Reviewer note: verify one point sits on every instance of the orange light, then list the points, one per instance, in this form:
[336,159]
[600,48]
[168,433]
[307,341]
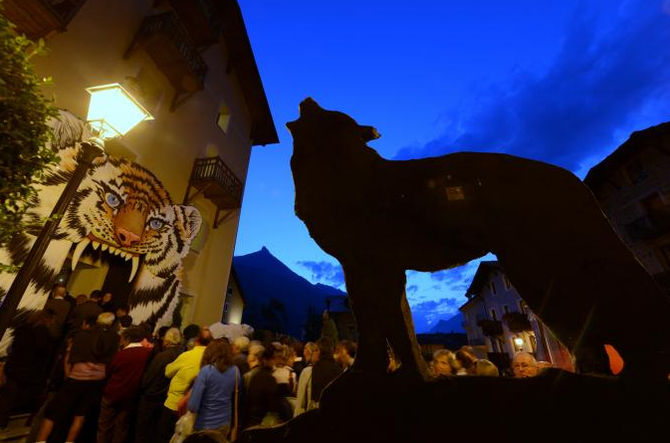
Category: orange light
[616,361]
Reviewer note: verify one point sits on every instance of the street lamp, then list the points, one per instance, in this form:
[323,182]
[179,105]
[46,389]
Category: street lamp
[112,112]
[518,341]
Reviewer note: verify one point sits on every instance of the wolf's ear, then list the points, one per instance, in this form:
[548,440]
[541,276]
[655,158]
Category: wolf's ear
[369,133]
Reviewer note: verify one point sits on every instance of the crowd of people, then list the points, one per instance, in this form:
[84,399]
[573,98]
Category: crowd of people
[86,373]
[445,363]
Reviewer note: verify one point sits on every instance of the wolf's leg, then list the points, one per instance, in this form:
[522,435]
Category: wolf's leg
[403,339]
[374,293]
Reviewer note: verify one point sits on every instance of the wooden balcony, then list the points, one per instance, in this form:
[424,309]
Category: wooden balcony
[651,226]
[38,18]
[491,328]
[517,322]
[212,178]
[166,41]
[202,19]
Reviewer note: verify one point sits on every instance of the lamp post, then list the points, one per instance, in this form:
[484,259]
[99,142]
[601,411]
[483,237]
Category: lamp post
[112,112]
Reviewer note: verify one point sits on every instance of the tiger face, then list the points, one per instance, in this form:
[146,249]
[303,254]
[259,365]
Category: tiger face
[120,208]
[123,209]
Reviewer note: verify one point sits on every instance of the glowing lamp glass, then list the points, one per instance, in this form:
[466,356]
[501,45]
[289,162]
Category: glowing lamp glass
[112,111]
[518,341]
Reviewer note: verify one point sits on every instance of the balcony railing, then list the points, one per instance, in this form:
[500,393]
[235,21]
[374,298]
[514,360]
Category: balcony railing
[37,18]
[214,179]
[201,18]
[490,328]
[517,322]
[649,227]
[166,41]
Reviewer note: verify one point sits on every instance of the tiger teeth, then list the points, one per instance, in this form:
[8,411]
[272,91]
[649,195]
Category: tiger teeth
[78,250]
[133,271]
[104,246]
[95,245]
[127,256]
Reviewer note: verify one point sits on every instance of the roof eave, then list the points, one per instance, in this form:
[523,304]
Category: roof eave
[241,58]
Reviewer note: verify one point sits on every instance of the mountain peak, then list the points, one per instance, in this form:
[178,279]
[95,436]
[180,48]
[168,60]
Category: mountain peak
[451,325]
[278,298]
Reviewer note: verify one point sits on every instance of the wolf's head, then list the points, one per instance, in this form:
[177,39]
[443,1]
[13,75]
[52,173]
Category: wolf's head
[321,132]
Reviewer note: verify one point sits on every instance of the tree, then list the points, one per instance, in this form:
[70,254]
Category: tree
[24,134]
[312,326]
[273,314]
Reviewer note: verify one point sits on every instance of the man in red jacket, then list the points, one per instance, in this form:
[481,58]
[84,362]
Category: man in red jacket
[125,375]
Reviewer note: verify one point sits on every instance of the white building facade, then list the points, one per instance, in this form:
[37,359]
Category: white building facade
[498,323]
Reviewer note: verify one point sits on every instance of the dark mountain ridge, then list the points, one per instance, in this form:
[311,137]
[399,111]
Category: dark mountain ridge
[277,298]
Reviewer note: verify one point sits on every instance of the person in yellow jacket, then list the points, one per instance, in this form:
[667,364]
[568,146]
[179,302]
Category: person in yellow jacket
[182,372]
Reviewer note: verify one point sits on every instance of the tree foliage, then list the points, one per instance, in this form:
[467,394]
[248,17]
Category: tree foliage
[24,151]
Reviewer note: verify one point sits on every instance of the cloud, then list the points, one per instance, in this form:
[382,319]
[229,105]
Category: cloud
[602,80]
[412,288]
[325,272]
[456,278]
[440,275]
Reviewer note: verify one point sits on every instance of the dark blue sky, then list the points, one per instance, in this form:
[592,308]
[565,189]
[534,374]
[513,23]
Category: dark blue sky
[561,81]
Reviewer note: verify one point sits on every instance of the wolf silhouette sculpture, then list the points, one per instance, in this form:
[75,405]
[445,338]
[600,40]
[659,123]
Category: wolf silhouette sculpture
[380,218]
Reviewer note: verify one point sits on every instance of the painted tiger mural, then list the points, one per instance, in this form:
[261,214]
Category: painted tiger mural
[120,208]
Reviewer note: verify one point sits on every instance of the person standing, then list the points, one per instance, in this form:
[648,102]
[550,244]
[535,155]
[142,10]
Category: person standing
[254,360]
[154,387]
[61,309]
[87,309]
[304,393]
[325,370]
[263,403]
[240,348]
[107,302]
[440,365]
[212,397]
[524,365]
[119,396]
[182,371]
[92,348]
[27,365]
[345,353]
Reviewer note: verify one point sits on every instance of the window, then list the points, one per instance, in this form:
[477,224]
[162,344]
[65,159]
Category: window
[223,118]
[494,315]
[506,309]
[492,285]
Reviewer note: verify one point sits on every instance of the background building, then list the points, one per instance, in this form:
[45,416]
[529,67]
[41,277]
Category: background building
[498,323]
[632,186]
[190,63]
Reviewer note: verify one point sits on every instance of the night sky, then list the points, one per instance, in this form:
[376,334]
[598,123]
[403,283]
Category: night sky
[563,81]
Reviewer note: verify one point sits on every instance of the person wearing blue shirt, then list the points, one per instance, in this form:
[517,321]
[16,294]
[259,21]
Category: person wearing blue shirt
[212,397]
